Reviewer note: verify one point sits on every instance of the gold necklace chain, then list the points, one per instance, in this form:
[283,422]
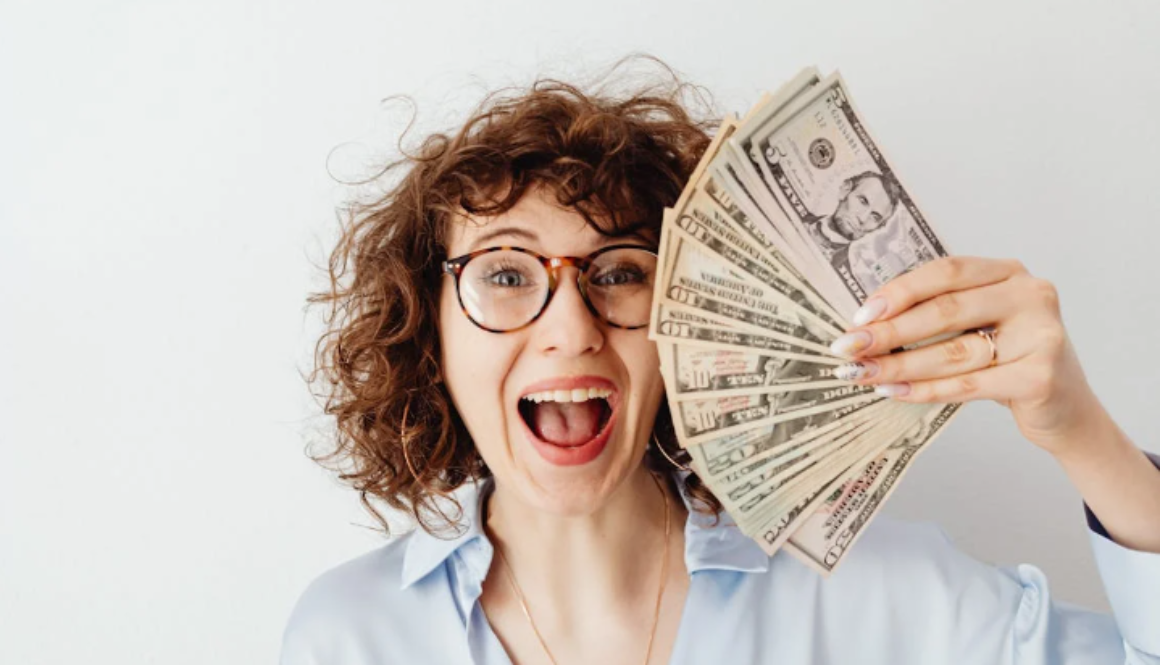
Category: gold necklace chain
[660,591]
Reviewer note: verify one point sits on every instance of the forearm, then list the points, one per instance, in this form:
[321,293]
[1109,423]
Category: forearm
[1117,481]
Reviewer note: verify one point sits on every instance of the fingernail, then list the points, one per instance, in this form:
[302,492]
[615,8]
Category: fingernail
[851,343]
[893,389]
[872,309]
[853,371]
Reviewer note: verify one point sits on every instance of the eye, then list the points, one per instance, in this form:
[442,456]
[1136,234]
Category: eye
[863,200]
[506,276]
[619,275]
[876,216]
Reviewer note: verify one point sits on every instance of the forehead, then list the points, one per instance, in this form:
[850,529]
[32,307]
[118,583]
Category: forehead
[873,189]
[537,222]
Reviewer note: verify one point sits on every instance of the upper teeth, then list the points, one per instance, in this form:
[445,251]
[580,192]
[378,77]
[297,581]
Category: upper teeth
[574,395]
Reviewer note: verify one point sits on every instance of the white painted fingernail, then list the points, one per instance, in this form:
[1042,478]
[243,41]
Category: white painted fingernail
[851,343]
[853,371]
[871,310]
[893,389]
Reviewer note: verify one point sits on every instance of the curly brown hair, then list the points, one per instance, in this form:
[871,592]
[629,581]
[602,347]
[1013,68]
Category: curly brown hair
[618,159]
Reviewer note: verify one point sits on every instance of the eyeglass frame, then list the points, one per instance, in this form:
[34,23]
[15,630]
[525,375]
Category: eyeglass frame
[552,264]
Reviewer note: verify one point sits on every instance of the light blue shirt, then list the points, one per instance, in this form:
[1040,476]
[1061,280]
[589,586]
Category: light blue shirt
[903,595]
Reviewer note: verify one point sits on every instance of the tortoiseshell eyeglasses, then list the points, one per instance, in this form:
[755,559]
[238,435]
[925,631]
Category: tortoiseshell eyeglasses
[502,289]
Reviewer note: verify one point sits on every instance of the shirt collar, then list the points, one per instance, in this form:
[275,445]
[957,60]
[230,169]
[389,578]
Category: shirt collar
[710,544]
[426,551]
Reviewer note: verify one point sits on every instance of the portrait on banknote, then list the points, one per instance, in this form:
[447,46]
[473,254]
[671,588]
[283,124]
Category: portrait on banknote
[866,201]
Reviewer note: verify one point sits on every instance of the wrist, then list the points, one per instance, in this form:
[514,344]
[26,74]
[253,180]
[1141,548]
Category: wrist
[1078,427]
[1119,484]
[1095,442]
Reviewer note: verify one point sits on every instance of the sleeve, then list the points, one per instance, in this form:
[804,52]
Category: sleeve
[1132,582]
[1048,632]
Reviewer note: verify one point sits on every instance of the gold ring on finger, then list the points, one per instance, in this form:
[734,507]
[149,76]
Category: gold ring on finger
[989,334]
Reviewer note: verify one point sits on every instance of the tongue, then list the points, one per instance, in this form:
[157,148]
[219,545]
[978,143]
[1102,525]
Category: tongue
[567,423]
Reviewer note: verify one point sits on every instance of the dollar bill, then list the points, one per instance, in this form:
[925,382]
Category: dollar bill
[841,197]
[698,420]
[690,230]
[741,162]
[705,222]
[747,223]
[778,257]
[681,325]
[775,519]
[728,183]
[693,278]
[811,438]
[830,530]
[764,499]
[702,372]
[729,459]
[729,231]
[748,490]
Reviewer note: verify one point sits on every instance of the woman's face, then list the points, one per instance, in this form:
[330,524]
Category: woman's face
[563,453]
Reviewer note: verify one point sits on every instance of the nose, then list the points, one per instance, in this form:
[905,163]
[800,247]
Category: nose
[865,216]
[567,327]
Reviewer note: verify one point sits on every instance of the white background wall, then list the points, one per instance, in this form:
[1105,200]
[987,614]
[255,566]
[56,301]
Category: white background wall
[164,193]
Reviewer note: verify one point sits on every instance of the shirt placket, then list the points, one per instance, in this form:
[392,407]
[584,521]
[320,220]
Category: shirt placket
[472,562]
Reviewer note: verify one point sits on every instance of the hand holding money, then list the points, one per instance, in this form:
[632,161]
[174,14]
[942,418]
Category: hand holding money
[794,224]
[1022,359]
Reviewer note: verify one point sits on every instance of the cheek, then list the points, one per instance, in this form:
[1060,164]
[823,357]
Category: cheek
[457,335]
[644,369]
[475,364]
[450,327]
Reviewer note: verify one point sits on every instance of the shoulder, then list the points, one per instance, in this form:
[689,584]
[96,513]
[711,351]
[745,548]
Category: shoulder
[899,575]
[913,559]
[363,581]
[343,611]
[903,590]
[920,551]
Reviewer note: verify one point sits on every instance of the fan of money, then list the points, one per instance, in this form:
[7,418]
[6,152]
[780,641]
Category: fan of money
[793,217]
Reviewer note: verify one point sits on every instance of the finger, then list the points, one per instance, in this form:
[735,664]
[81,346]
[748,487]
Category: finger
[961,354]
[948,312]
[951,273]
[1002,383]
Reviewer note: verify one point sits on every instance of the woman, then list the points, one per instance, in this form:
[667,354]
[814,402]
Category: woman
[528,435]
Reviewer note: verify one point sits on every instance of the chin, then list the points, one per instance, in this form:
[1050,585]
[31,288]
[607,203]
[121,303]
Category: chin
[572,490]
[845,230]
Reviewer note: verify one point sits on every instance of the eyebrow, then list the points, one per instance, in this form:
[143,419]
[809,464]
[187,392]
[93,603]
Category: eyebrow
[512,231]
[529,235]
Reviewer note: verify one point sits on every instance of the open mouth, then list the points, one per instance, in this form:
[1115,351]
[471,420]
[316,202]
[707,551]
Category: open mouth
[567,418]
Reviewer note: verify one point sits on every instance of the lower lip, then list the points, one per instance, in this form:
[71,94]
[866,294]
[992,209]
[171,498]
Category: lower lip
[571,455]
